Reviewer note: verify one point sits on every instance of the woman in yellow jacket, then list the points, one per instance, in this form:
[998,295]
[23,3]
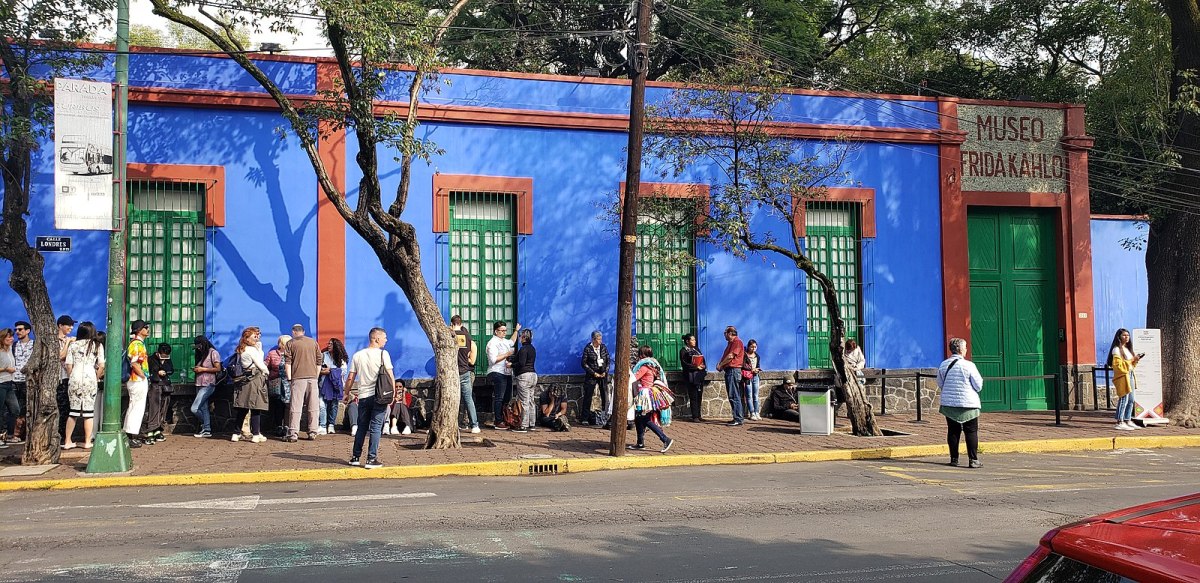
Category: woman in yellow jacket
[1122,359]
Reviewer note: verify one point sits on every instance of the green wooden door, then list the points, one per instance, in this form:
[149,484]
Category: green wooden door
[483,260]
[665,290]
[1014,319]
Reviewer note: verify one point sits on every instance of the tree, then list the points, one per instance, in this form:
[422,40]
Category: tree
[39,45]
[724,119]
[368,38]
[1173,250]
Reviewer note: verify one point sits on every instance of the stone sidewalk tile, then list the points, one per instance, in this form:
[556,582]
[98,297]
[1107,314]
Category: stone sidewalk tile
[184,454]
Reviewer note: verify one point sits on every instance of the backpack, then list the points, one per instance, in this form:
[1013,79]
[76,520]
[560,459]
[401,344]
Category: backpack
[514,414]
[231,371]
[126,367]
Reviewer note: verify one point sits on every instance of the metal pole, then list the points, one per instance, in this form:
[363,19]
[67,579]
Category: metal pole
[919,397]
[883,391]
[639,60]
[111,451]
[1095,393]
[1107,388]
[1058,386]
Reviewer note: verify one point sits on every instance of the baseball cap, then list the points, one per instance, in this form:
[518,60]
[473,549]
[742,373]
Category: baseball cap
[65,321]
[137,326]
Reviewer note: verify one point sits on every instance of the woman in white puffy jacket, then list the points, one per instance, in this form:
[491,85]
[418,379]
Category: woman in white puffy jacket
[960,384]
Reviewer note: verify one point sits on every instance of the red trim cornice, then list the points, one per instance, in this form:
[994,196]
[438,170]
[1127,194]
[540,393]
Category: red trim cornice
[213,177]
[697,191]
[520,188]
[865,197]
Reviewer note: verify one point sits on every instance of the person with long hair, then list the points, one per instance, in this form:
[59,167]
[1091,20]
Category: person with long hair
[278,388]
[208,364]
[85,364]
[250,392]
[1122,359]
[332,384]
[10,409]
[646,373]
[751,367]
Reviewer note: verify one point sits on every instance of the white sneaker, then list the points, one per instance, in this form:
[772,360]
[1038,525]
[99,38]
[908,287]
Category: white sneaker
[258,439]
[475,429]
[322,431]
[407,430]
[1131,425]
[1122,427]
[387,430]
[235,437]
[353,430]
[330,430]
[755,417]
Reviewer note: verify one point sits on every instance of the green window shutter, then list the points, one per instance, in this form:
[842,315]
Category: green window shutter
[665,290]
[832,241]
[166,276]
[483,264]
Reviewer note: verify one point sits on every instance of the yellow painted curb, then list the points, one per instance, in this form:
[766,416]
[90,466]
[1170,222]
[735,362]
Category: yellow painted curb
[521,467]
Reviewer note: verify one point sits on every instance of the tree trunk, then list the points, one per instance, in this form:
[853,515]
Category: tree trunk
[850,391]
[398,262]
[1173,251]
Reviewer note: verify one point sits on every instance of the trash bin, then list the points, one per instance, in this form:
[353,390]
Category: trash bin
[816,414]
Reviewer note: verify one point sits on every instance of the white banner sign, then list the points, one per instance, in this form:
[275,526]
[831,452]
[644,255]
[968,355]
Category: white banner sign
[83,156]
[1147,392]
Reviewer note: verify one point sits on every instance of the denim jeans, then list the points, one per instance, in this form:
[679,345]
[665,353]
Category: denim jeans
[328,413]
[9,409]
[467,396]
[1125,408]
[371,416]
[751,387]
[204,394]
[644,420]
[502,389]
[733,388]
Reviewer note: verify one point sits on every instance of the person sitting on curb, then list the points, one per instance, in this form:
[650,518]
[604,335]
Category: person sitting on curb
[783,402]
[553,408]
[400,411]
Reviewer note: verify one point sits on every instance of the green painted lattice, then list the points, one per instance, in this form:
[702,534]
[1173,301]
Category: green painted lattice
[664,302]
[832,242]
[166,275]
[483,261]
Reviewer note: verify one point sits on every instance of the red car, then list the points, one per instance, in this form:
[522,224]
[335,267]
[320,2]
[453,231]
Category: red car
[1159,541]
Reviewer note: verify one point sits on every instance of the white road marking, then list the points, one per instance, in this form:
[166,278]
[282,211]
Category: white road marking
[249,502]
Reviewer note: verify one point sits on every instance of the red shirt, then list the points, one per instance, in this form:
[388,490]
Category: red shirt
[735,351]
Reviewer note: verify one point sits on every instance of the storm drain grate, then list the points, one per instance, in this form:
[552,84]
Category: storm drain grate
[543,469]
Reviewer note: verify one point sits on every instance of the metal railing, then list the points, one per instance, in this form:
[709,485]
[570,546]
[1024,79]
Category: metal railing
[1107,370]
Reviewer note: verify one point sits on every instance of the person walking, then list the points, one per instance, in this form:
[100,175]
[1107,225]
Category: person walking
[694,371]
[85,365]
[731,364]
[646,373]
[751,367]
[139,381]
[22,350]
[498,350]
[1122,360]
[365,368]
[595,362]
[250,392]
[208,364]
[301,368]
[466,371]
[333,383]
[960,384]
[9,408]
[526,375]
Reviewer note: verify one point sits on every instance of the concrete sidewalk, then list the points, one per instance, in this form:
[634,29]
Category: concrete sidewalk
[184,459]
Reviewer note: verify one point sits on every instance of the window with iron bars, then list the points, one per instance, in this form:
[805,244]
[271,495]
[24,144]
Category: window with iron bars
[483,264]
[166,277]
[664,281]
[832,242]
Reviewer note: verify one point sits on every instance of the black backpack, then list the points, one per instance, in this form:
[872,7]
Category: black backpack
[231,371]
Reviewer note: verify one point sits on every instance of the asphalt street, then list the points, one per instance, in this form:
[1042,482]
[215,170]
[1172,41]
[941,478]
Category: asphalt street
[910,520]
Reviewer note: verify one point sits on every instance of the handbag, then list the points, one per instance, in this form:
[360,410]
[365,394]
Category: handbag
[747,374]
[385,384]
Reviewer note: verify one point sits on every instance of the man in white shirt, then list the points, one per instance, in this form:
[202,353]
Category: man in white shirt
[498,350]
[364,369]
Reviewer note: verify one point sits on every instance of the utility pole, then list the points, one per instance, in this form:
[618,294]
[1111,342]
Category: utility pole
[639,63]
[111,451]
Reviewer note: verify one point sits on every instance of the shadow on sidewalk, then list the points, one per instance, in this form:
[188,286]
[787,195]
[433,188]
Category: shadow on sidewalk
[309,458]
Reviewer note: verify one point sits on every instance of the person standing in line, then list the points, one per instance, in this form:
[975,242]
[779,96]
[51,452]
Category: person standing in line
[960,384]
[98,403]
[466,371]
[751,367]
[365,368]
[333,384]
[278,388]
[159,395]
[731,364]
[855,361]
[694,371]
[65,325]
[9,409]
[22,350]
[595,363]
[526,375]
[645,372]
[250,393]
[1122,360]
[139,381]
[208,364]
[500,373]
[301,369]
[85,364]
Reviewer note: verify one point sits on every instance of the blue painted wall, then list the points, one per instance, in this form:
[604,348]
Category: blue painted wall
[1118,278]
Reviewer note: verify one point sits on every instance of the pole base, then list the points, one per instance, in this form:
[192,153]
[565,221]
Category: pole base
[110,453]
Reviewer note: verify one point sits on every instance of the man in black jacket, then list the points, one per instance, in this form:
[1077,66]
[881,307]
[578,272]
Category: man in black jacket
[595,363]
